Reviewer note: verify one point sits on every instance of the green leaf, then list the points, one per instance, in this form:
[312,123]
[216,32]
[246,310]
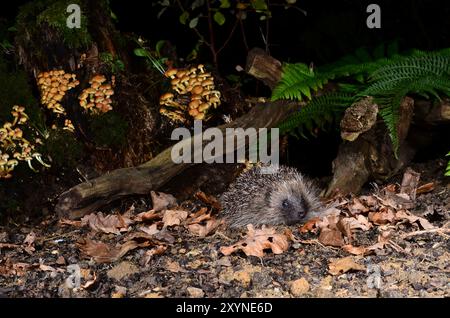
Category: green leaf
[140,52]
[193,23]
[259,5]
[219,18]
[183,17]
[197,4]
[224,4]
[159,45]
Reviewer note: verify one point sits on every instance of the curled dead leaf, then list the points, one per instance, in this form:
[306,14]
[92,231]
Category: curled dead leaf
[174,217]
[259,240]
[162,201]
[344,265]
[104,253]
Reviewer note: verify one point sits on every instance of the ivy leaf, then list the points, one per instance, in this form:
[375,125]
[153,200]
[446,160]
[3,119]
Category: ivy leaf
[159,45]
[219,18]
[183,17]
[224,4]
[193,23]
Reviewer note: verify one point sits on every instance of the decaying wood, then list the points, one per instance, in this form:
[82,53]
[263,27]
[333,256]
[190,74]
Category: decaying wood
[263,67]
[371,156]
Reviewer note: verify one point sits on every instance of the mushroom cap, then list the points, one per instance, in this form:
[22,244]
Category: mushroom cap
[208,82]
[109,92]
[171,72]
[166,96]
[200,116]
[193,112]
[214,100]
[98,78]
[197,90]
[175,81]
[203,107]
[196,97]
[181,74]
[194,104]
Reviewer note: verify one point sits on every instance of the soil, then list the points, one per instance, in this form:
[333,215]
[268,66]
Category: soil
[37,264]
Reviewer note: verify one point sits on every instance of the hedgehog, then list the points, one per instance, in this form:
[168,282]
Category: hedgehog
[283,197]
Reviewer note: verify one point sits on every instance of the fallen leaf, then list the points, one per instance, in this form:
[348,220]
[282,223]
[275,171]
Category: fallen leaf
[357,207]
[150,230]
[147,216]
[369,200]
[344,265]
[385,216]
[158,250]
[70,222]
[204,230]
[208,199]
[29,242]
[174,267]
[410,182]
[174,217]
[405,215]
[46,268]
[309,225]
[425,188]
[162,201]
[104,253]
[114,224]
[257,241]
[331,237]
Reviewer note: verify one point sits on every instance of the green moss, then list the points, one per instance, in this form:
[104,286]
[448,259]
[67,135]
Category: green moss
[15,90]
[109,130]
[63,148]
[54,13]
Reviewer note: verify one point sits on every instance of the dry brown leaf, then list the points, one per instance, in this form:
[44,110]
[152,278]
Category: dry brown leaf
[257,241]
[204,230]
[114,224]
[356,207]
[383,239]
[369,200]
[162,201]
[199,216]
[46,268]
[70,222]
[158,250]
[174,217]
[405,215]
[344,265]
[29,242]
[410,182]
[309,225]
[425,188]
[147,216]
[150,230]
[385,216]
[174,267]
[104,253]
[208,199]
[331,237]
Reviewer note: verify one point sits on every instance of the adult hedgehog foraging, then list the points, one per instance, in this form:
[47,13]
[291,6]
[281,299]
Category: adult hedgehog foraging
[283,197]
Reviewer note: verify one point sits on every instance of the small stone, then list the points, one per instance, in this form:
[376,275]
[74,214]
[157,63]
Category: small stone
[299,287]
[195,292]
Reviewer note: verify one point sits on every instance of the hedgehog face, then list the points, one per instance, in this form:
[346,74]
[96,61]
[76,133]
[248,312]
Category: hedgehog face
[290,200]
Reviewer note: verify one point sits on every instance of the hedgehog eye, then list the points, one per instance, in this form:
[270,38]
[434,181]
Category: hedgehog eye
[285,203]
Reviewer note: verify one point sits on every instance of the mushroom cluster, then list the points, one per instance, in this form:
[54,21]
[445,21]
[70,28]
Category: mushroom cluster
[12,140]
[97,98]
[53,86]
[196,82]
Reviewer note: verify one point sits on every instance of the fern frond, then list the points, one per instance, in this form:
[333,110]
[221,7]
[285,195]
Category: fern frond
[447,170]
[319,111]
[297,82]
